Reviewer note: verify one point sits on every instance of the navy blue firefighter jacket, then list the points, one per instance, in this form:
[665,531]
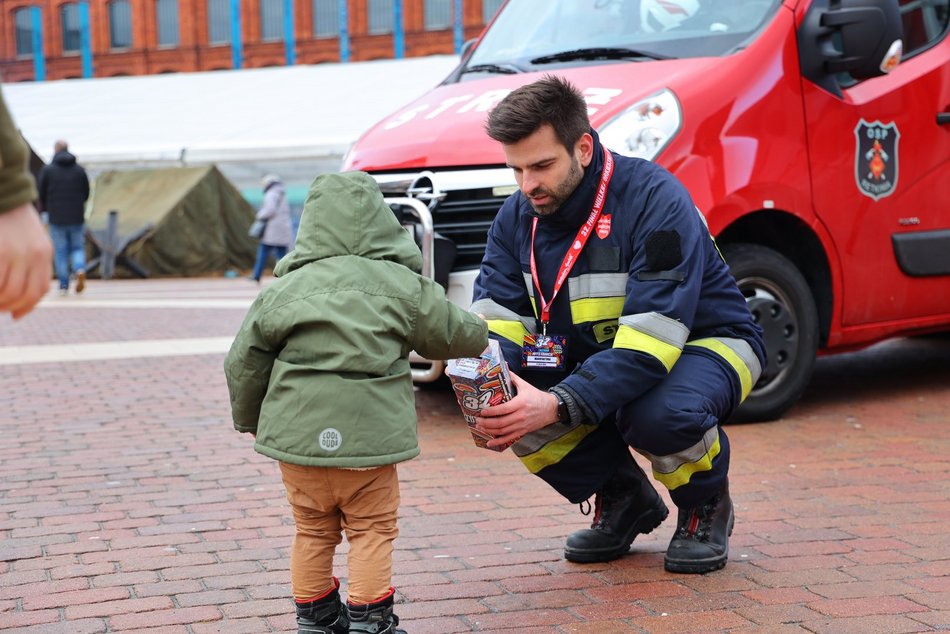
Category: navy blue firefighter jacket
[633,300]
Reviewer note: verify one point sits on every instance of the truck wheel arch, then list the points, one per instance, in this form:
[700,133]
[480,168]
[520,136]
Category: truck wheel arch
[781,268]
[793,238]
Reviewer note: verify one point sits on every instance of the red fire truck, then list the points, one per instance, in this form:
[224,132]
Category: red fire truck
[814,135]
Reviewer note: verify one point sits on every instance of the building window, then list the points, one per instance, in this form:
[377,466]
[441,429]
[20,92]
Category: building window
[120,24]
[272,20]
[489,9]
[326,18]
[23,20]
[380,16]
[69,19]
[166,16]
[438,15]
[219,21]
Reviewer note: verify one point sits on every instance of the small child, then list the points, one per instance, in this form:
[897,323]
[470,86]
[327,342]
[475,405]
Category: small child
[319,373]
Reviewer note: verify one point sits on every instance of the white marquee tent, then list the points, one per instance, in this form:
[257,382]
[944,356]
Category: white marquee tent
[244,117]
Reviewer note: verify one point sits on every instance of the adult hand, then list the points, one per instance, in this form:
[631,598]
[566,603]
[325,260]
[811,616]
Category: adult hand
[529,411]
[25,260]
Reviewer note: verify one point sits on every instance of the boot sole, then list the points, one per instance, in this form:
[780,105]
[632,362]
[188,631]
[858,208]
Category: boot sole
[696,567]
[644,525]
[700,566]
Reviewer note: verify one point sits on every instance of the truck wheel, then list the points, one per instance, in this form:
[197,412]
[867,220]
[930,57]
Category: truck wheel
[782,304]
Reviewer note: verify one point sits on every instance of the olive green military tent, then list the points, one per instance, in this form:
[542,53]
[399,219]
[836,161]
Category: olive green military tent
[172,222]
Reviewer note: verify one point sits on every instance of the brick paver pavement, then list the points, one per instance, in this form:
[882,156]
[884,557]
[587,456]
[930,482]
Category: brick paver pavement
[128,504]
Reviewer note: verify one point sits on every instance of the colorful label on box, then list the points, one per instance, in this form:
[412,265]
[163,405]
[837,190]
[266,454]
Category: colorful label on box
[480,382]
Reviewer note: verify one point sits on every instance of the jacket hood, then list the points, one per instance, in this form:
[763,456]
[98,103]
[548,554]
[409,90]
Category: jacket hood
[64,158]
[345,214]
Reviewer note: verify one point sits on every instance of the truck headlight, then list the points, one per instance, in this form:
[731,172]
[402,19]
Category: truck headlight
[645,128]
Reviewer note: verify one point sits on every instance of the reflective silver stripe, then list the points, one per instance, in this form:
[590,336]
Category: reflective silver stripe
[744,351]
[739,355]
[491,309]
[556,446]
[672,462]
[529,284]
[702,217]
[659,327]
[533,441]
[597,285]
[589,285]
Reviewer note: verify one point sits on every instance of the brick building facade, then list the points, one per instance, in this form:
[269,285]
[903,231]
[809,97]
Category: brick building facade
[58,39]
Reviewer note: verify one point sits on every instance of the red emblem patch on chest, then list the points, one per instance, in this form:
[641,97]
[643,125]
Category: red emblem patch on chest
[603,226]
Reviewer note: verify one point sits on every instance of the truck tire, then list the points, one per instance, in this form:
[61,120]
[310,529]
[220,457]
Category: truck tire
[782,304]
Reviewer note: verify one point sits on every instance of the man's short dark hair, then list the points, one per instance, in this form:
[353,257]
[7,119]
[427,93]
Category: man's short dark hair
[551,100]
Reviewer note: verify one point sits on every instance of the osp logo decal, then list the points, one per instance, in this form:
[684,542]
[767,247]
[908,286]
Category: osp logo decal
[875,158]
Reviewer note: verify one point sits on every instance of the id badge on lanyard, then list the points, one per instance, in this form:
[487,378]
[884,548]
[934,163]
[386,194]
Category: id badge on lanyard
[549,351]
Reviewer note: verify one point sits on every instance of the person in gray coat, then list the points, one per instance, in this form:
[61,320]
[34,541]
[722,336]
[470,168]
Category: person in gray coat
[278,234]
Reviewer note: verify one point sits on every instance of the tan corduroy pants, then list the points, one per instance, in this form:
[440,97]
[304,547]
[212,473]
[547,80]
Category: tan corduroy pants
[326,502]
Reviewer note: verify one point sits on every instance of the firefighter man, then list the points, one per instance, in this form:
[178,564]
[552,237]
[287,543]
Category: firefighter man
[608,257]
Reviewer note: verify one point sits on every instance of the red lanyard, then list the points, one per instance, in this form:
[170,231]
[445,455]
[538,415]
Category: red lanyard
[577,246]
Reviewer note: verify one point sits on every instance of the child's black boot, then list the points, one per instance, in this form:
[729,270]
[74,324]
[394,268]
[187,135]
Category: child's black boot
[374,618]
[323,615]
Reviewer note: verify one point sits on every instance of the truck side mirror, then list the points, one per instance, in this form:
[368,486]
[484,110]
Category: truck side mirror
[858,37]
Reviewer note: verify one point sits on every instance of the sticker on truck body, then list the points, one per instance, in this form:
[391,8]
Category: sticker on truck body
[875,160]
[460,104]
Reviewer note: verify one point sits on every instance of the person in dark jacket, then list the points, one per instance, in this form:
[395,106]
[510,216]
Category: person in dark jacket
[25,248]
[64,189]
[319,373]
[624,329]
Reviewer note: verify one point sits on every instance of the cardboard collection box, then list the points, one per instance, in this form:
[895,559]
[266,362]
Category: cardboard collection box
[480,382]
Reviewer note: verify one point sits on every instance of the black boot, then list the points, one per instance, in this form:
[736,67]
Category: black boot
[325,615]
[701,541]
[374,618]
[628,505]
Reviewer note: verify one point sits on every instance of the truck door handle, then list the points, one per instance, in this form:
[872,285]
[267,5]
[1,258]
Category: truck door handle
[943,118]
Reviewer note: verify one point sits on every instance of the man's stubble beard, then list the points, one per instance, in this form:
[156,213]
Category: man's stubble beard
[562,192]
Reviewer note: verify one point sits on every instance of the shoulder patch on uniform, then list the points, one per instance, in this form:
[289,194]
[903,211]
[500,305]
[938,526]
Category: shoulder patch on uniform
[663,254]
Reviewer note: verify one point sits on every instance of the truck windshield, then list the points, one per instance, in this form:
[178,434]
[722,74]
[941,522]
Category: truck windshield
[532,35]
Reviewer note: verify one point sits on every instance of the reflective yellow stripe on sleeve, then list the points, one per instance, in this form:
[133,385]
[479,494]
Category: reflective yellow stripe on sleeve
[738,354]
[511,330]
[503,322]
[553,450]
[631,339]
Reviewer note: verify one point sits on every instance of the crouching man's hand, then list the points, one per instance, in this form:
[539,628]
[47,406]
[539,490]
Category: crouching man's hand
[530,410]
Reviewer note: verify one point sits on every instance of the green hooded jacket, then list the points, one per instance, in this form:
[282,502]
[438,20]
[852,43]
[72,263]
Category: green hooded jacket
[16,184]
[319,369]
